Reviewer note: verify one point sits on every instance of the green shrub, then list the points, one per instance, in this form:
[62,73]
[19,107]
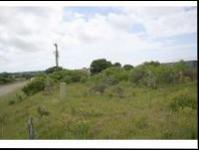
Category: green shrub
[98,65]
[182,101]
[20,97]
[115,91]
[99,88]
[43,111]
[128,67]
[37,85]
[69,76]
[111,76]
[79,129]
[77,76]
[58,75]
[137,75]
[11,102]
[153,75]
[6,78]
[53,69]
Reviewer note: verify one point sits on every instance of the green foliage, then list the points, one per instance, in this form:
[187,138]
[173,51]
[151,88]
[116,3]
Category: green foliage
[79,129]
[42,111]
[69,76]
[19,97]
[153,74]
[145,114]
[137,75]
[99,65]
[53,69]
[111,76]
[37,85]
[152,63]
[12,102]
[99,88]
[120,111]
[5,78]
[117,64]
[115,91]
[128,67]
[182,101]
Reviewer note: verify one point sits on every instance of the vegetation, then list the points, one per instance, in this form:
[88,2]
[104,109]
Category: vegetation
[99,65]
[128,67]
[53,69]
[38,84]
[5,78]
[149,101]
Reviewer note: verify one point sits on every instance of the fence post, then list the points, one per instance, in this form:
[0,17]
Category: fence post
[62,90]
[30,128]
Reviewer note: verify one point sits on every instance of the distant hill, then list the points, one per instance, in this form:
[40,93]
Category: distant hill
[190,63]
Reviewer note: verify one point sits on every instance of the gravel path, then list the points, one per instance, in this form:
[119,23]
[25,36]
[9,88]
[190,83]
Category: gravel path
[6,89]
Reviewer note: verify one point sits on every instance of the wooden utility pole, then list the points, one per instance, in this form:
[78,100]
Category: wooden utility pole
[56,55]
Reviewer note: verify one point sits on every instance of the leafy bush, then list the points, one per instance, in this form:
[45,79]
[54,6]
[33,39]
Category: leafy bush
[100,87]
[53,69]
[5,78]
[116,91]
[191,74]
[137,75]
[182,101]
[11,102]
[69,76]
[80,129]
[43,111]
[152,63]
[117,64]
[111,76]
[37,85]
[153,75]
[98,65]
[128,67]
[58,75]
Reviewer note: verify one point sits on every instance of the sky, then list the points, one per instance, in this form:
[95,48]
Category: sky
[129,35]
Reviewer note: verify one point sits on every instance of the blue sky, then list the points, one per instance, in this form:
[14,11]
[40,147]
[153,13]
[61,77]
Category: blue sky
[130,35]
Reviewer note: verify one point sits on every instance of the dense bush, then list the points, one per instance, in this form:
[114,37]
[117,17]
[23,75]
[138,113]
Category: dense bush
[137,75]
[128,67]
[42,111]
[115,91]
[53,69]
[99,65]
[5,78]
[152,63]
[111,75]
[117,64]
[38,84]
[182,101]
[69,76]
[99,88]
[153,74]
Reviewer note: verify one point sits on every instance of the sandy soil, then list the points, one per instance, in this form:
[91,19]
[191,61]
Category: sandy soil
[6,89]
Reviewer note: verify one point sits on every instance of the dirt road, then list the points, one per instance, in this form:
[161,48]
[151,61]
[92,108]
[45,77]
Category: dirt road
[6,89]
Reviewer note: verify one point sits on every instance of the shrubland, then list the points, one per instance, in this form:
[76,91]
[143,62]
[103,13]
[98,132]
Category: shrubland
[148,101]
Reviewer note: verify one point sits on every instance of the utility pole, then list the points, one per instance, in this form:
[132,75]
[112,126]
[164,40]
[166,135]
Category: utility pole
[56,55]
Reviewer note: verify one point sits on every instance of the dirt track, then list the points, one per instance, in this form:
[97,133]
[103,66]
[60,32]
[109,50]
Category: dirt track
[6,89]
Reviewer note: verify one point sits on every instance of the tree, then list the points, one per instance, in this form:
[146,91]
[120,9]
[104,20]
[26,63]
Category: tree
[99,65]
[128,67]
[53,69]
[117,64]
[153,63]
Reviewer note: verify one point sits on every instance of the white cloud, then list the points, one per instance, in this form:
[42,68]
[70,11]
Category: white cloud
[165,21]
[27,35]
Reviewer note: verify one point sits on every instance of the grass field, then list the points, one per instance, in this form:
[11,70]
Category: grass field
[139,113]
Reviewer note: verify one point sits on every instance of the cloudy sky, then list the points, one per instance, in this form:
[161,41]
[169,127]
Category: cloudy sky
[130,35]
